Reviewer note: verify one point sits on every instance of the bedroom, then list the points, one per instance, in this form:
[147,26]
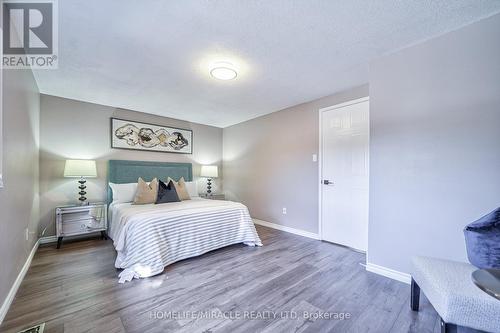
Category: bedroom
[251,96]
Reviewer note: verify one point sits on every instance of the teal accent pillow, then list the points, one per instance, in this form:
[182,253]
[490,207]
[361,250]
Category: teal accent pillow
[166,193]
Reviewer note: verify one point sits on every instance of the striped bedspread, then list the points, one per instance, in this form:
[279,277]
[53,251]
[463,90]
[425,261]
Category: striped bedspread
[149,237]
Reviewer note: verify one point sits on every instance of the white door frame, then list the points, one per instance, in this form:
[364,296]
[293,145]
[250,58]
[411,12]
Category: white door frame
[320,157]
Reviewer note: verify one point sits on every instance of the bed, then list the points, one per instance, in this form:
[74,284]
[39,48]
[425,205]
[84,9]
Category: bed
[148,238]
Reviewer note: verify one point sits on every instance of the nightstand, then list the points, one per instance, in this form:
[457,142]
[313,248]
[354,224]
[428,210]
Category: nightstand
[215,197]
[80,220]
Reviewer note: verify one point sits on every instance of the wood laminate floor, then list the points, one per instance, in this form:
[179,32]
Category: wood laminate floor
[75,289]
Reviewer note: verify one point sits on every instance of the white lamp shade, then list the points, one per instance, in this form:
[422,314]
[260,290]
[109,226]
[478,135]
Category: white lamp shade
[80,168]
[209,171]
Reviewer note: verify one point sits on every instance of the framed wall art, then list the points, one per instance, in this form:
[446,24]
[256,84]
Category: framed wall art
[127,134]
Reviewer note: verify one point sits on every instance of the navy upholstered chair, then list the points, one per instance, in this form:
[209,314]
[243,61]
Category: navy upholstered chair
[482,238]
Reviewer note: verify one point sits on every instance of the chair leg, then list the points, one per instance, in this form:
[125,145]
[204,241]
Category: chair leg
[415,295]
[447,327]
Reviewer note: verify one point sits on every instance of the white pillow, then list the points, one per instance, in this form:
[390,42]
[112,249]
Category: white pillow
[192,189]
[123,192]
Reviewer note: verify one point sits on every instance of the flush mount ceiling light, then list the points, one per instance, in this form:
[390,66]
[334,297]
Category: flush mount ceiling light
[223,71]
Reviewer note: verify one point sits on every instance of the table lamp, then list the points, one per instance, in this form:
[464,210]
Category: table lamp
[80,169]
[209,171]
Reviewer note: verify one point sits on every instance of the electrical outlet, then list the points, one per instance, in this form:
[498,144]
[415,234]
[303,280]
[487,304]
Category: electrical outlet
[27,234]
[315,158]
[284,210]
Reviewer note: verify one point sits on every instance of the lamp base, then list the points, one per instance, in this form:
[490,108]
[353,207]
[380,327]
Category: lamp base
[82,192]
[209,187]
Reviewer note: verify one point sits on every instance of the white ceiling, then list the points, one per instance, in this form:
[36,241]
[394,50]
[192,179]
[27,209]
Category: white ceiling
[153,56]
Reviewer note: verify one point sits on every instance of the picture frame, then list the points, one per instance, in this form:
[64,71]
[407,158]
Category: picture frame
[136,135]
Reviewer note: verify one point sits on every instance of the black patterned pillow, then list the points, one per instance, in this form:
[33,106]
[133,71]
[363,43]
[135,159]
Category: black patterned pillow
[166,193]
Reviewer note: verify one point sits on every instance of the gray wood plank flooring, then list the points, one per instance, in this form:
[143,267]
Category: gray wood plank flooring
[75,289]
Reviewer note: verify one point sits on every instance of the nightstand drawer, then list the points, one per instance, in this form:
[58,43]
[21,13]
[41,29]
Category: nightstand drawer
[75,226]
[215,197]
[67,217]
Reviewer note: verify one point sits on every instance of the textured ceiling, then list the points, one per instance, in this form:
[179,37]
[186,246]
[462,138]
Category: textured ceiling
[153,56]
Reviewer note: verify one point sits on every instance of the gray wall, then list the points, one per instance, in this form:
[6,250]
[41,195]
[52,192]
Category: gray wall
[435,144]
[19,201]
[268,162]
[71,129]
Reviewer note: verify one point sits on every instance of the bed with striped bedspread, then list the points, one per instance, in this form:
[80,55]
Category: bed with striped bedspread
[148,238]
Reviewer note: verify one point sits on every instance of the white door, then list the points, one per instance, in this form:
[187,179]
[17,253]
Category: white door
[344,173]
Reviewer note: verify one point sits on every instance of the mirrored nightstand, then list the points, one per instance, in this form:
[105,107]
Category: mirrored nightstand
[80,220]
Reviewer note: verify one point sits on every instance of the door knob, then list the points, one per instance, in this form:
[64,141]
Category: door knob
[327,182]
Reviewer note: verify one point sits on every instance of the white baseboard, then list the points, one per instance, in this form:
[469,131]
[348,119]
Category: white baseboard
[287,229]
[48,239]
[13,290]
[390,273]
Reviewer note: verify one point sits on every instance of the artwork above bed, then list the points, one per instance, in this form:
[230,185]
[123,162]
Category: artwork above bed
[135,135]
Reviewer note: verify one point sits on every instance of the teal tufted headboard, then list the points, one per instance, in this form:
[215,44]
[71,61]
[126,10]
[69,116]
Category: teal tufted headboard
[121,172]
